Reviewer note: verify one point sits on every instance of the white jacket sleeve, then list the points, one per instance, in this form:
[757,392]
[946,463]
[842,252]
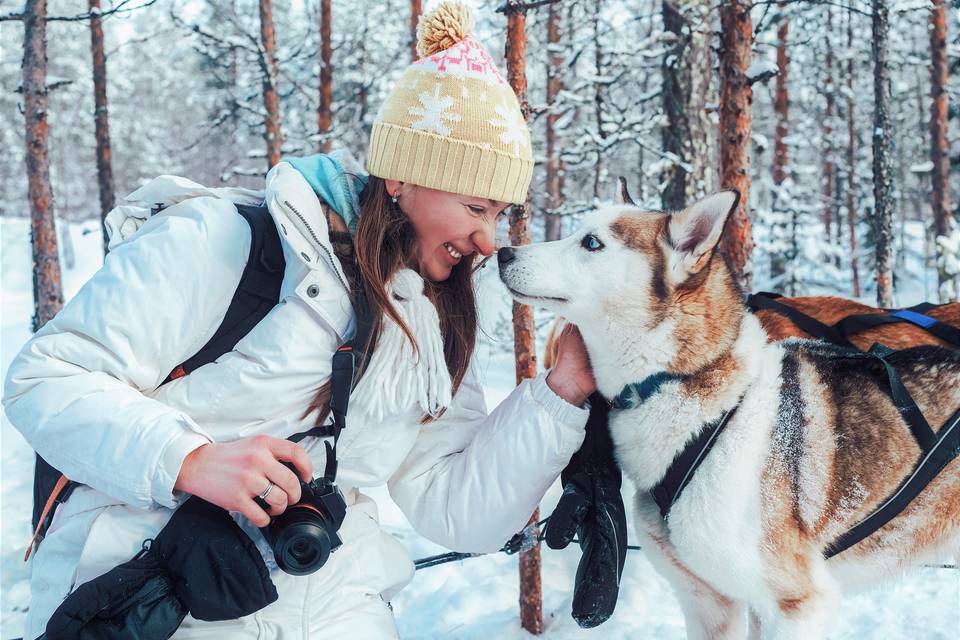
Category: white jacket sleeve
[75,389]
[473,480]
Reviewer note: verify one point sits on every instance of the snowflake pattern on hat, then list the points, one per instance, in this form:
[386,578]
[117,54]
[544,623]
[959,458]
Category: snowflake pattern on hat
[514,127]
[434,110]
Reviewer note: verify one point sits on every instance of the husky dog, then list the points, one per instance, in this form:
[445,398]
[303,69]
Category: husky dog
[815,446]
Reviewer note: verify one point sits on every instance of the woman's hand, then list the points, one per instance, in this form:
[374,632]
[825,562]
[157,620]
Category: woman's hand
[572,376]
[232,474]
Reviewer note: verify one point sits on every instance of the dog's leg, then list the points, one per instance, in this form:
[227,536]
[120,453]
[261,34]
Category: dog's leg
[709,615]
[805,615]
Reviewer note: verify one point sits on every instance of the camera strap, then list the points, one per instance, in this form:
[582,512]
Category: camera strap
[343,379]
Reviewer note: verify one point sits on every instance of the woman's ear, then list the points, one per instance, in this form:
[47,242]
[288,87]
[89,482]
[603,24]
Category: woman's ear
[393,186]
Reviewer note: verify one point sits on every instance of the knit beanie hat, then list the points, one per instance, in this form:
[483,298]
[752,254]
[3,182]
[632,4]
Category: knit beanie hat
[452,122]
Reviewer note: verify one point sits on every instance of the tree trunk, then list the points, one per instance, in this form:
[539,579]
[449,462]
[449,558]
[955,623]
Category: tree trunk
[828,164]
[416,9]
[781,230]
[882,186]
[939,149]
[47,290]
[325,111]
[700,145]
[686,74]
[852,165]
[531,607]
[269,70]
[675,73]
[554,164]
[597,97]
[100,115]
[736,97]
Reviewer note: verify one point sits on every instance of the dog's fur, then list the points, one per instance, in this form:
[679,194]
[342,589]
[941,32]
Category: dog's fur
[815,446]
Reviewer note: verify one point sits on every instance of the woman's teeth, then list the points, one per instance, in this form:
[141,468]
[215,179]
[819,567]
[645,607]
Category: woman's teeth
[453,252]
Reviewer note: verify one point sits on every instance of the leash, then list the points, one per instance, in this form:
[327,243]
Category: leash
[524,541]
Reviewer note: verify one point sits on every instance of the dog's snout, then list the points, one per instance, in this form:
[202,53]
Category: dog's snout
[505,256]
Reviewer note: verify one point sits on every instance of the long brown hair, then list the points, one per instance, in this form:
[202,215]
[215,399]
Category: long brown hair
[385,243]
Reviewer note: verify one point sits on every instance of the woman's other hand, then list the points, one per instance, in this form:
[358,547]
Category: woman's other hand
[571,377]
[232,474]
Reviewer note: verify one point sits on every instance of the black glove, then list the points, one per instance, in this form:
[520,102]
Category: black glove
[200,563]
[592,508]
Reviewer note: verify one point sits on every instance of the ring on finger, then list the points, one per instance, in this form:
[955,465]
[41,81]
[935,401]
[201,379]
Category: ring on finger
[266,492]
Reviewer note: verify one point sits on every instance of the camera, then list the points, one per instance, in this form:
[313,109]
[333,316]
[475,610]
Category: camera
[304,535]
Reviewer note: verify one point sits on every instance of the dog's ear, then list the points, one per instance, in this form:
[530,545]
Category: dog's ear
[623,194]
[695,231]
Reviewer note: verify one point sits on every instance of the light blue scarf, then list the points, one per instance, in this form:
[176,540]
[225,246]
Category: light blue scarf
[338,180]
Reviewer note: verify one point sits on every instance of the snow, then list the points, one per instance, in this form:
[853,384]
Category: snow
[760,67]
[470,599]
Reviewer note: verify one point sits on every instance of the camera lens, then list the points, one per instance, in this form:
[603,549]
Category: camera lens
[301,544]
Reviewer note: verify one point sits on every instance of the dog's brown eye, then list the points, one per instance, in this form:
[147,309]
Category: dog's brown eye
[591,243]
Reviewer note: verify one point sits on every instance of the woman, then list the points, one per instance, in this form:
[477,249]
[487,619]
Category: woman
[449,151]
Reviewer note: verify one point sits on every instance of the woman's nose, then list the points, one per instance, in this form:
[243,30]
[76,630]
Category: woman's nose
[484,239]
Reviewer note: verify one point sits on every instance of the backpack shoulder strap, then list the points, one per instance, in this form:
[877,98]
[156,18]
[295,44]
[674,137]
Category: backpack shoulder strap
[257,292]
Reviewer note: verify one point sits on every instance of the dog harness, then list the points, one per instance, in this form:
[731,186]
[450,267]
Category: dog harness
[936,449]
[840,332]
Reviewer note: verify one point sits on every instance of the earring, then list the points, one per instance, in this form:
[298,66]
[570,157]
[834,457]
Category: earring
[393,199]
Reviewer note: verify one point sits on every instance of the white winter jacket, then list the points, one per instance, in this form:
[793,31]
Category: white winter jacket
[85,393]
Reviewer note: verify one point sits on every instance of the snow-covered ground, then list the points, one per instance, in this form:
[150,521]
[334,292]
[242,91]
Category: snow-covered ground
[475,598]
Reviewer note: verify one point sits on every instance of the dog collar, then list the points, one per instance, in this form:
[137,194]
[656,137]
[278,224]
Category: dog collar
[636,393]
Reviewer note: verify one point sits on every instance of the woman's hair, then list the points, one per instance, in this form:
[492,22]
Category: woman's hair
[385,243]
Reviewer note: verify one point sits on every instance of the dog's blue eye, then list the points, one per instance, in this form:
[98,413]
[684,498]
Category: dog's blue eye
[591,243]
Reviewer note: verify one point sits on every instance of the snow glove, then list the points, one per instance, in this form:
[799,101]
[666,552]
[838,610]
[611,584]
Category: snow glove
[592,508]
[200,563]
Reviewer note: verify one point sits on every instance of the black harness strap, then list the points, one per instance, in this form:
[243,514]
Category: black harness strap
[902,399]
[932,462]
[681,470]
[851,325]
[817,329]
[861,322]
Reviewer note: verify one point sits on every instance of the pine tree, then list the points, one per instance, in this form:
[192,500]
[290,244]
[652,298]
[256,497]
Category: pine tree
[531,607]
[47,290]
[554,162]
[101,118]
[882,182]
[270,74]
[736,97]
[325,111]
[939,149]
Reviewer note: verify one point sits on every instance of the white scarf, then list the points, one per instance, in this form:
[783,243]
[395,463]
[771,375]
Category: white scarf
[396,379]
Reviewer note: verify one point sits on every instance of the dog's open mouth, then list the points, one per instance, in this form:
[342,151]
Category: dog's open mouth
[520,294]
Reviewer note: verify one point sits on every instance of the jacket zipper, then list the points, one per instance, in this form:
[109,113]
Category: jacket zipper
[317,241]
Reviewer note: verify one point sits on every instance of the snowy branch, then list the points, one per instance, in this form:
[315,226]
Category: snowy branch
[82,17]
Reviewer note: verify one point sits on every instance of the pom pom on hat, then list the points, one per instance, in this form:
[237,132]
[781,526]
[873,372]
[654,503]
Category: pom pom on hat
[445,26]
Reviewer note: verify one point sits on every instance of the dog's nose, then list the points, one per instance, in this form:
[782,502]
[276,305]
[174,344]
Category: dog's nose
[505,256]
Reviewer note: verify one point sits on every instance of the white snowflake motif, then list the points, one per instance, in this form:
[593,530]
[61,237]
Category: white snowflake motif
[512,122]
[434,112]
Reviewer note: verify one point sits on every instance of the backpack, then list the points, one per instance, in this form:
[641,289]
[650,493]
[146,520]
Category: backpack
[257,293]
